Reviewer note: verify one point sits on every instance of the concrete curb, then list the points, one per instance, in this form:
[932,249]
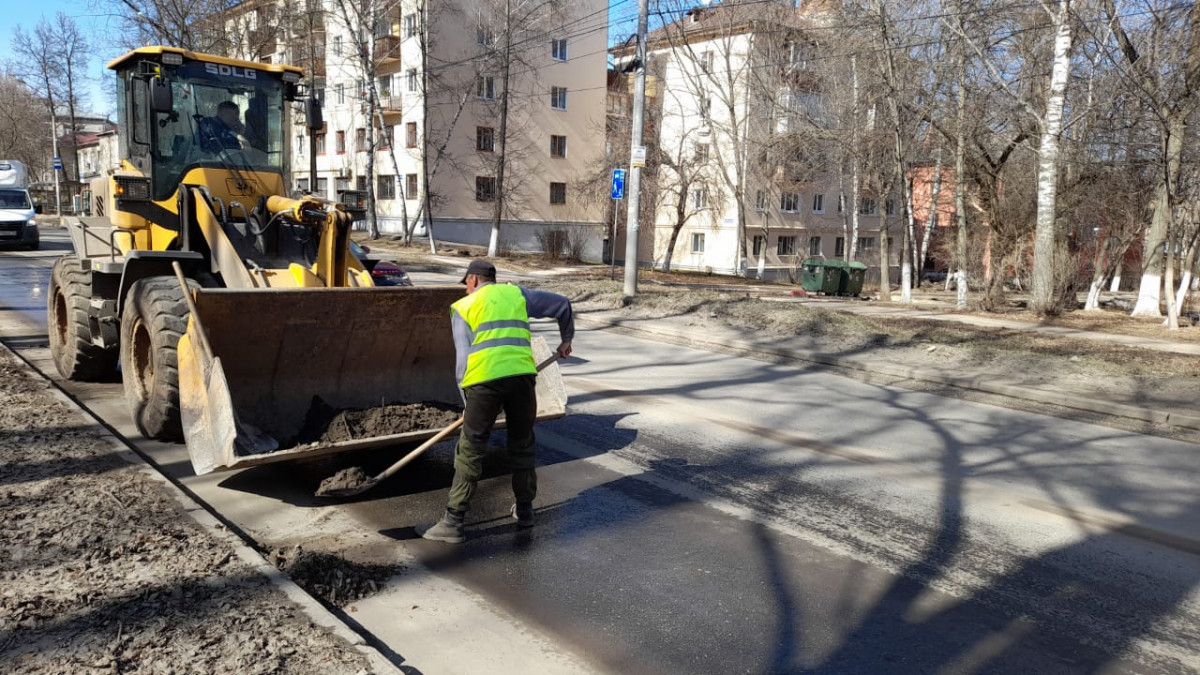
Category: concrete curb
[979,384]
[310,606]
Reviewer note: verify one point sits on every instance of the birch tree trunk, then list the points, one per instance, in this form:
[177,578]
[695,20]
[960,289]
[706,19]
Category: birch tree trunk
[851,247]
[1149,298]
[960,199]
[931,219]
[502,142]
[1044,295]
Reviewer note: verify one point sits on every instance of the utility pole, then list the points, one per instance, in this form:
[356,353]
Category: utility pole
[55,165]
[635,144]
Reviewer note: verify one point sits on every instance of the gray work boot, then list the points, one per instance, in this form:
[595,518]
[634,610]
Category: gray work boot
[449,529]
[523,512]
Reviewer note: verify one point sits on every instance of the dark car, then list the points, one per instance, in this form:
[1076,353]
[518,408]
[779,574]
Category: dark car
[383,272]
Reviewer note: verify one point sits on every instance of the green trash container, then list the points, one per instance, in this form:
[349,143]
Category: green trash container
[835,277]
[853,275]
[818,275]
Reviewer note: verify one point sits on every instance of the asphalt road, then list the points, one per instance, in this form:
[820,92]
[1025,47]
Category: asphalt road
[706,513]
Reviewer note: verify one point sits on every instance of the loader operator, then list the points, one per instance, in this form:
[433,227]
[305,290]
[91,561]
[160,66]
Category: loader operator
[496,371]
[223,132]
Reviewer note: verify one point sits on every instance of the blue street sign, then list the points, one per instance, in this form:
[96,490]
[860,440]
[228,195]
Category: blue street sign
[618,184]
[58,163]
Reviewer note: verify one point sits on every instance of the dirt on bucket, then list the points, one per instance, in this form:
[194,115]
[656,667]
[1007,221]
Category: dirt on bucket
[324,424]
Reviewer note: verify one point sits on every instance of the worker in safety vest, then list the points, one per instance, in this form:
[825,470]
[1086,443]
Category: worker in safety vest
[496,371]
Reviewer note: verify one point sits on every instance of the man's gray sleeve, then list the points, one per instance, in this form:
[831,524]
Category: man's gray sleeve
[547,305]
[462,345]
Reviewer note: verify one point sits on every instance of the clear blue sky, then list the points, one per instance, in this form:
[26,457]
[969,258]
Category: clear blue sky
[97,26]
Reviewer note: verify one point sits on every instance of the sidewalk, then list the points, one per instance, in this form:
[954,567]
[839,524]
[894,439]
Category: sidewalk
[1173,410]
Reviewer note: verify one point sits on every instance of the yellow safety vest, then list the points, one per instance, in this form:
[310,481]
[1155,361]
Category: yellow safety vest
[499,326]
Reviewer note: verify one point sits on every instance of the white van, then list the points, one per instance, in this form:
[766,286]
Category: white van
[17,224]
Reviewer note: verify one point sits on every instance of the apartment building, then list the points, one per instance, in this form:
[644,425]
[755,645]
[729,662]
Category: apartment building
[717,125]
[436,132]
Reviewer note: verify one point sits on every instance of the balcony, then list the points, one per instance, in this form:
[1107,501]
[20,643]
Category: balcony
[387,47]
[389,102]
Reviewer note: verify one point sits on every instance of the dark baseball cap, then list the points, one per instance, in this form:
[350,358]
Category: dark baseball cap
[480,268]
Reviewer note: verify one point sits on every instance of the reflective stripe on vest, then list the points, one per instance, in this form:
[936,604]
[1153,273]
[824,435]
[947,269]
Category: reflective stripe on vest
[499,334]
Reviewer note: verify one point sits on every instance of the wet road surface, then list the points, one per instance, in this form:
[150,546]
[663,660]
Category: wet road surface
[705,513]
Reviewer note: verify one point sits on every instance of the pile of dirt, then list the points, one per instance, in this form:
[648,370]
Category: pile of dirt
[324,424]
[346,479]
[330,577]
[102,570]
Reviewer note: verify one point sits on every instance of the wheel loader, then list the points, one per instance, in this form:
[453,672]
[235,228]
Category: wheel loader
[277,315]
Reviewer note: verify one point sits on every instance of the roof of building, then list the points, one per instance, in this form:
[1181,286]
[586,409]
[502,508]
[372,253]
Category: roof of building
[733,17]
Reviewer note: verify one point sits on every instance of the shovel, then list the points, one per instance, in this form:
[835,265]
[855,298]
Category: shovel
[353,481]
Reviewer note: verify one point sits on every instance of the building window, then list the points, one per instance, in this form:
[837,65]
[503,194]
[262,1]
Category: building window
[760,242]
[485,86]
[337,45]
[360,183]
[410,186]
[322,187]
[485,189]
[360,140]
[558,193]
[320,142]
[866,244]
[302,185]
[818,203]
[814,246]
[699,198]
[411,78]
[760,201]
[319,92]
[410,25]
[697,242]
[839,247]
[867,206]
[558,50]
[387,187]
[485,139]
[841,201]
[385,85]
[341,142]
[410,135]
[299,146]
[786,246]
[701,153]
[889,207]
[340,90]
[387,138]
[789,202]
[342,184]
[558,146]
[558,98]
[706,62]
[485,36]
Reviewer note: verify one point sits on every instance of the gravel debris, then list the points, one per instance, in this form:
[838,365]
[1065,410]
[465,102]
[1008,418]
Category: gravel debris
[101,570]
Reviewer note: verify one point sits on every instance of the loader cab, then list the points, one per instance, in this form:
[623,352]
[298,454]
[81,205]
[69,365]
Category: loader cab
[181,111]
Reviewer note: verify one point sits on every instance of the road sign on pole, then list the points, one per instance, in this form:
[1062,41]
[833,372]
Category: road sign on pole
[618,184]
[58,163]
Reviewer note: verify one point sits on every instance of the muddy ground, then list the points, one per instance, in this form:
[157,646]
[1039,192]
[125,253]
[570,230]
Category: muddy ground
[1116,373]
[101,570]
[324,424]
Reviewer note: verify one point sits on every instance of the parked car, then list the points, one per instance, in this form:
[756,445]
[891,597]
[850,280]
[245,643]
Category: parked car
[383,272]
[17,210]
[933,276]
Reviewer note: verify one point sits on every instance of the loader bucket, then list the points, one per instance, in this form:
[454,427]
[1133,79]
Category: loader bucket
[272,351]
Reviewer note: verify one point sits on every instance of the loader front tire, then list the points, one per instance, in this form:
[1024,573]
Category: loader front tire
[68,302]
[154,319]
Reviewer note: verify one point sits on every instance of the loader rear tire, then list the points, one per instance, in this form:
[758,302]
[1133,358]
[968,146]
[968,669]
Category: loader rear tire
[68,303]
[154,319]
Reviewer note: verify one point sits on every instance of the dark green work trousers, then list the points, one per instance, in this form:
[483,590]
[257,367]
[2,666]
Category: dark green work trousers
[517,397]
